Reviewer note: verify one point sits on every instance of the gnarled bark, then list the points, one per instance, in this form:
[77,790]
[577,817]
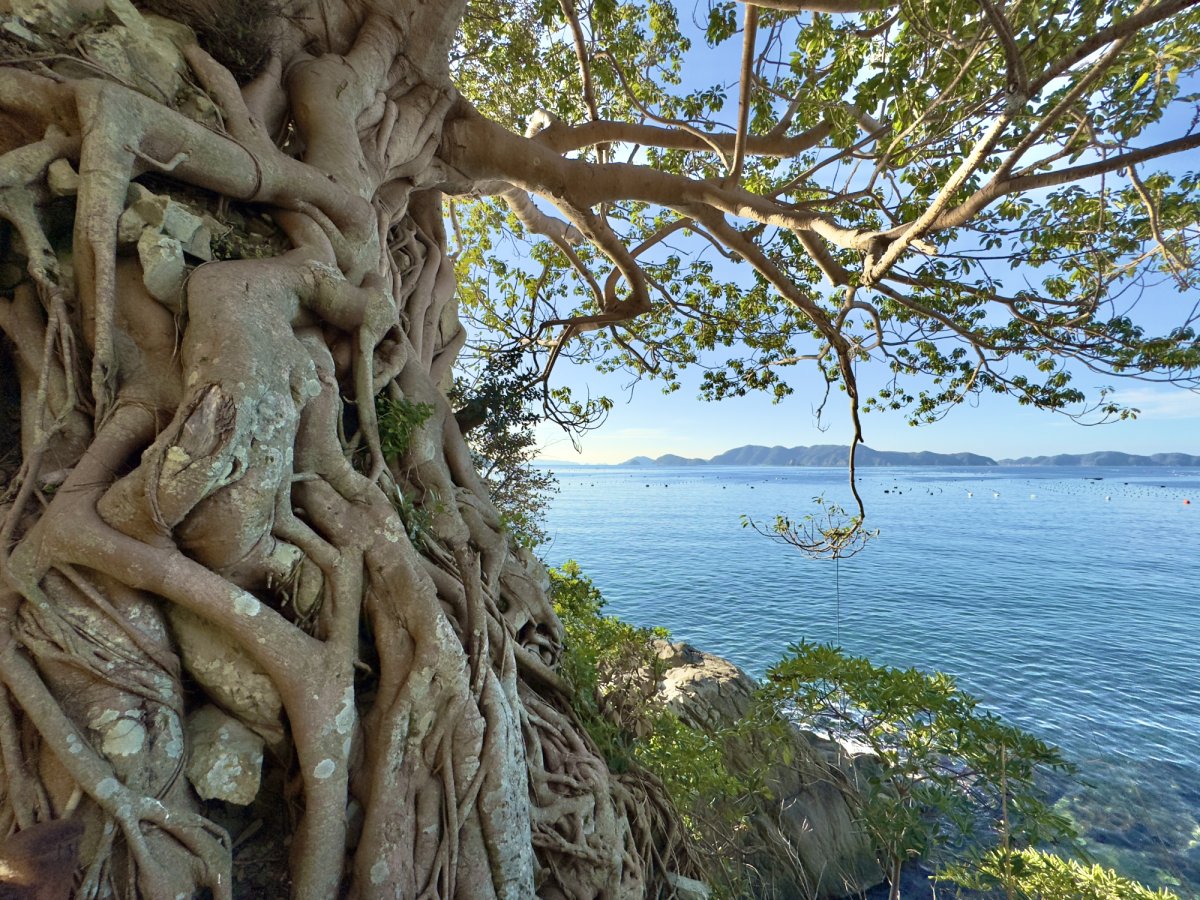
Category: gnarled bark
[200,513]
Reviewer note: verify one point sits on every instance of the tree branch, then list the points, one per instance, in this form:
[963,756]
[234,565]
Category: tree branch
[581,55]
[953,218]
[750,30]
[482,152]
[1145,17]
[847,7]
[563,138]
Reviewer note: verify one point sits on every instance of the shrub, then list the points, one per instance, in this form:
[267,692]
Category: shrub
[1031,874]
[614,668]
[399,420]
[953,783]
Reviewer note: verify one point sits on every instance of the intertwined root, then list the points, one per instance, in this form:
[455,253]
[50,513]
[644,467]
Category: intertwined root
[203,511]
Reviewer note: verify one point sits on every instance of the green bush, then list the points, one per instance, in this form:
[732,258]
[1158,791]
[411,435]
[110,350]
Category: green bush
[498,408]
[614,668]
[1037,875]
[398,422]
[953,784]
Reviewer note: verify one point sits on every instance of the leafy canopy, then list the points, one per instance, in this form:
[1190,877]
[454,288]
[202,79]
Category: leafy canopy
[942,199]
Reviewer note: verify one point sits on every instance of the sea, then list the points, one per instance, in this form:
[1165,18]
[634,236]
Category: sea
[1066,599]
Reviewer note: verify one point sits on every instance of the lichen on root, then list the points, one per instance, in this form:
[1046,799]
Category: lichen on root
[201,525]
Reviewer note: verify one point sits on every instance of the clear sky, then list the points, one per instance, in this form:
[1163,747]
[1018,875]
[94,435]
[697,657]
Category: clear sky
[645,422]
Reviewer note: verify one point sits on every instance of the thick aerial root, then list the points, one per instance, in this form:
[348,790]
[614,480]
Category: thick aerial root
[224,526]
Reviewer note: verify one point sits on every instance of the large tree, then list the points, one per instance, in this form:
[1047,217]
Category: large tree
[237,238]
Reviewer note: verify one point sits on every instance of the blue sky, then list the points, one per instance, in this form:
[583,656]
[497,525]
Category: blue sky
[644,421]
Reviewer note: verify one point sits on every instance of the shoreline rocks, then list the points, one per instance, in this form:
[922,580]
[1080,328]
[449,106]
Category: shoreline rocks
[801,837]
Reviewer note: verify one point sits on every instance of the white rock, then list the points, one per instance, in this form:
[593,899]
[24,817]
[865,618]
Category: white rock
[145,57]
[22,32]
[688,888]
[225,757]
[162,268]
[62,179]
[179,222]
[151,207]
[228,674]
[199,244]
[130,227]
[55,16]
[143,209]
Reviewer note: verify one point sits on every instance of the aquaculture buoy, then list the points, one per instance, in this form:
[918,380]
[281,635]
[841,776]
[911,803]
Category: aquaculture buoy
[1187,502]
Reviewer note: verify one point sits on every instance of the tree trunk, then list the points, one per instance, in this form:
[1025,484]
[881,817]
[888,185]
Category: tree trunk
[207,553]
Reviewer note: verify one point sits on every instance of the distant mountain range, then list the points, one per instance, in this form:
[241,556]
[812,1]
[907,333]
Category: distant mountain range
[835,455]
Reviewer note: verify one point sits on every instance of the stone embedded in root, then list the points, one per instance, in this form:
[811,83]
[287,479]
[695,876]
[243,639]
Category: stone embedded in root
[163,268]
[163,214]
[225,758]
[228,675]
[147,58]
[123,733]
[62,179]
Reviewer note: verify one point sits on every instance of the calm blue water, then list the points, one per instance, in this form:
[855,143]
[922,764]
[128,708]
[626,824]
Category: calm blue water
[1070,606]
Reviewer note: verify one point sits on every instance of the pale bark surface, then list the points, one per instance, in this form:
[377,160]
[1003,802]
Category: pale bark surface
[201,538]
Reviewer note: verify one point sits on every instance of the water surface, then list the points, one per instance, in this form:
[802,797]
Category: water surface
[1066,599]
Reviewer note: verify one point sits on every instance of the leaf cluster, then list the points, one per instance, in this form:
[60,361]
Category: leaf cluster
[399,420]
[614,668]
[951,781]
[1031,874]
[829,533]
[498,407]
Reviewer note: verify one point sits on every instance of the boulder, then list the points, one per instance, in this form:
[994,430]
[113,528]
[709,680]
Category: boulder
[141,52]
[225,757]
[55,17]
[228,674]
[688,888]
[163,268]
[802,836]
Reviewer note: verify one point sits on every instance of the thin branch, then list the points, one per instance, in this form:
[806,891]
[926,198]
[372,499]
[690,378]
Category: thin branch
[847,7]
[585,69]
[953,218]
[1177,266]
[641,107]
[925,223]
[1143,18]
[788,289]
[1050,118]
[1018,77]
[750,31]
[564,138]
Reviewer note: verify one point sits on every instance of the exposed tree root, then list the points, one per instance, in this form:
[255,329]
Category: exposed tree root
[211,518]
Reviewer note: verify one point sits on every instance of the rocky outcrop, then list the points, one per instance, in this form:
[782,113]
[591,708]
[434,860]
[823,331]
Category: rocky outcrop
[801,837]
